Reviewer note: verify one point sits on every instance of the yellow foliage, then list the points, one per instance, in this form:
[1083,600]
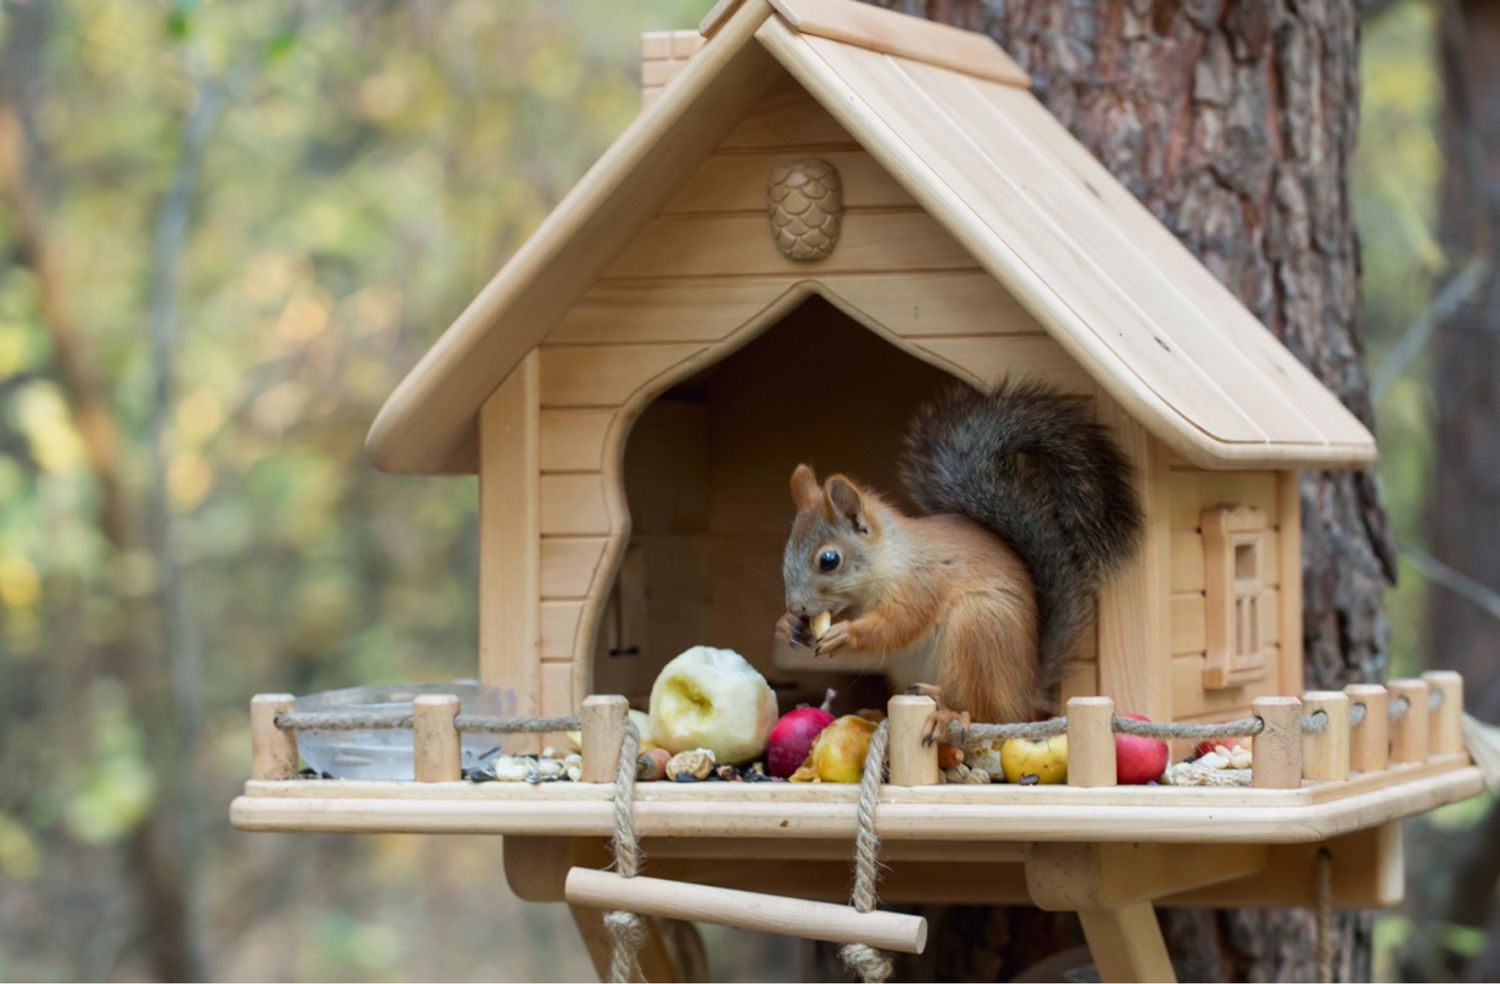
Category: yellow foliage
[42,415]
[20,584]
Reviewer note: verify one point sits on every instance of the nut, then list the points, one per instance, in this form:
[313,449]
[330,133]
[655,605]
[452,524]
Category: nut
[690,766]
[820,624]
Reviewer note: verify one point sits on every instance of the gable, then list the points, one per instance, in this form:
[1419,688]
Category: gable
[1013,194]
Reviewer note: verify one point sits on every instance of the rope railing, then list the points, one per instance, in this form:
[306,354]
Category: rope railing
[357,720]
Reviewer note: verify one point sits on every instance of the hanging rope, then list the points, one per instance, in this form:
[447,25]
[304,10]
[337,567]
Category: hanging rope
[1323,899]
[627,930]
[872,966]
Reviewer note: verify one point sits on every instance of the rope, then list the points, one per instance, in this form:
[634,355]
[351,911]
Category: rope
[1434,699]
[1315,723]
[1323,897]
[870,964]
[1034,730]
[1242,728]
[627,930]
[354,720]
[1398,708]
[1357,715]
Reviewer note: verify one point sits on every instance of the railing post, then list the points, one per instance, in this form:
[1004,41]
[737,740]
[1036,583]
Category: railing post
[436,744]
[603,719]
[1370,740]
[1445,723]
[273,752]
[912,763]
[1409,731]
[1091,742]
[1325,754]
[1277,763]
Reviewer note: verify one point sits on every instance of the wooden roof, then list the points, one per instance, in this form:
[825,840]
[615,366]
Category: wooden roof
[948,114]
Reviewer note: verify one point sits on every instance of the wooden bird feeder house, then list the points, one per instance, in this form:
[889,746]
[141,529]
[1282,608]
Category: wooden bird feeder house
[824,214]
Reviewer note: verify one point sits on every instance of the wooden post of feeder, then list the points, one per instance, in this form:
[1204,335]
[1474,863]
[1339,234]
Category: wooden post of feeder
[603,721]
[1278,748]
[1325,753]
[1445,722]
[273,752]
[1370,739]
[1091,742]
[437,747]
[912,763]
[1409,730]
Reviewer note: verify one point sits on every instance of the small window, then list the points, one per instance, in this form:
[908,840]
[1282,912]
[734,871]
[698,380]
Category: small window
[1234,558]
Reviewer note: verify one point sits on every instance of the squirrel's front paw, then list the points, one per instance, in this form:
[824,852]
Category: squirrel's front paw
[837,639]
[794,629]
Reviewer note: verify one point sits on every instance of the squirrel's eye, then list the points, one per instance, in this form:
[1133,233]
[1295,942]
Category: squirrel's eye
[828,561]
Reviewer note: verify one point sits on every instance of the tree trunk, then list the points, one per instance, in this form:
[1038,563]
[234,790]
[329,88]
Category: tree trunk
[1464,500]
[1234,121]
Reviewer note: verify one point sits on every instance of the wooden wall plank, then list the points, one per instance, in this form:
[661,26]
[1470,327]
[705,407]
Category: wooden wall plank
[574,503]
[1194,490]
[573,440]
[721,245]
[709,309]
[1134,662]
[1191,702]
[569,564]
[737,183]
[560,621]
[558,697]
[509,535]
[788,119]
[604,375]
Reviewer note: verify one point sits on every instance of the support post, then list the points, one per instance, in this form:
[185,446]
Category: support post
[273,752]
[1091,742]
[1409,731]
[1445,723]
[436,744]
[1278,749]
[1127,944]
[1370,741]
[603,721]
[912,763]
[1325,754]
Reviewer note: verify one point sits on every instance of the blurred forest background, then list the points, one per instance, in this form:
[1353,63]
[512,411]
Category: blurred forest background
[226,230]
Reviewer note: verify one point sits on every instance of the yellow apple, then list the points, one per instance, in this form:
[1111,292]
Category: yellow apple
[1046,759]
[838,754]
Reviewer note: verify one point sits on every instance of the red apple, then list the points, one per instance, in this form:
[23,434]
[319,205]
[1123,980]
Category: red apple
[792,739]
[1139,760]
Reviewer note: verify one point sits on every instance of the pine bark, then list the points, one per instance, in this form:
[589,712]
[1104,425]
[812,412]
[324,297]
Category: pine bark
[1234,121]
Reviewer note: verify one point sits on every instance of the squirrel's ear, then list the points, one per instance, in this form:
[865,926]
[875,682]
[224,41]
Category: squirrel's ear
[805,491]
[846,504]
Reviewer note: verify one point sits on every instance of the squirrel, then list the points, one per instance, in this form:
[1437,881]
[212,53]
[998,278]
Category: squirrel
[1026,504]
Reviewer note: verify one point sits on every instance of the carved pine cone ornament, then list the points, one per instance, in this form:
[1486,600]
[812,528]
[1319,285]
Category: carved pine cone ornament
[806,202]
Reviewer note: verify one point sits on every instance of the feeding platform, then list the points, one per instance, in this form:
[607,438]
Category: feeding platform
[1324,787]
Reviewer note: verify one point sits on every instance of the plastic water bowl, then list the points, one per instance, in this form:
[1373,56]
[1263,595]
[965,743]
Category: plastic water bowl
[386,753]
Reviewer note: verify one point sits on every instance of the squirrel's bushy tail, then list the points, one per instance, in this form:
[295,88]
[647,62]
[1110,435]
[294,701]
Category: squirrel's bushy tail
[1036,468]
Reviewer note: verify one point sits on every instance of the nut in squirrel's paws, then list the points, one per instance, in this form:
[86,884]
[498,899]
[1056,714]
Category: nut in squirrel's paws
[793,630]
[820,624]
[833,641]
